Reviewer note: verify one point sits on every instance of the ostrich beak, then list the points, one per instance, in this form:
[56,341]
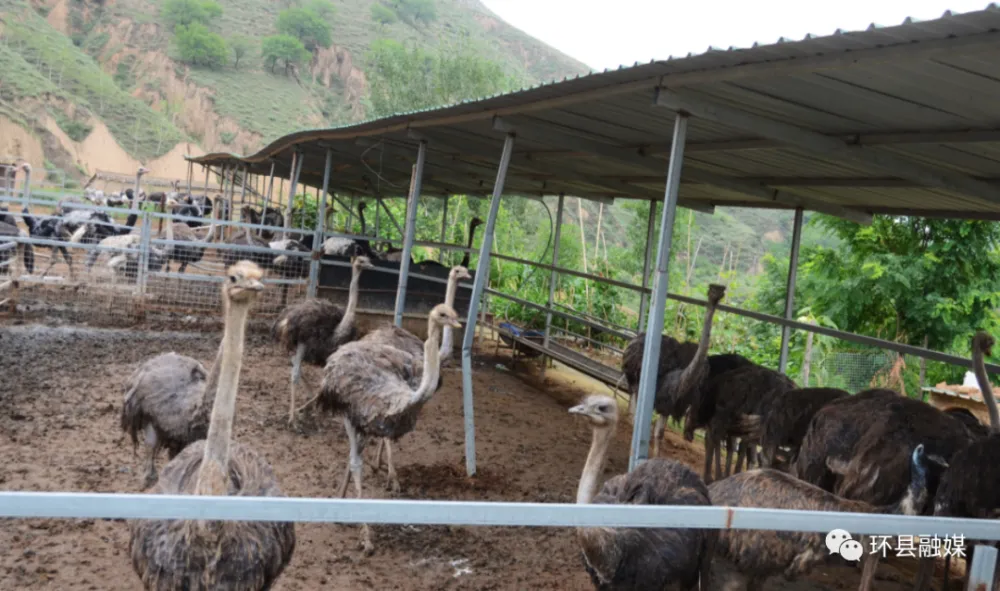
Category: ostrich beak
[936,459]
[454,323]
[578,410]
[255,285]
[281,260]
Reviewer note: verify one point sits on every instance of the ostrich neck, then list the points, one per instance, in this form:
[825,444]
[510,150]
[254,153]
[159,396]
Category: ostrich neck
[361,216]
[26,193]
[979,366]
[432,365]
[135,197]
[700,354]
[599,444]
[213,474]
[446,336]
[472,233]
[347,321]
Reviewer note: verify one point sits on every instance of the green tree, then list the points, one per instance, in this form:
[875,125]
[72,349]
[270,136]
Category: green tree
[406,78]
[306,26]
[283,48]
[198,46]
[186,12]
[322,8]
[240,45]
[414,11]
[383,15]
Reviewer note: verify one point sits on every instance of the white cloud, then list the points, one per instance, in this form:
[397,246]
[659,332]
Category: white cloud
[606,34]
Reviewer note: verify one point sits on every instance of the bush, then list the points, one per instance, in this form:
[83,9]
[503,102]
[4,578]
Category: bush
[198,46]
[306,26]
[383,15]
[240,45]
[227,137]
[413,11]
[187,12]
[283,48]
[76,130]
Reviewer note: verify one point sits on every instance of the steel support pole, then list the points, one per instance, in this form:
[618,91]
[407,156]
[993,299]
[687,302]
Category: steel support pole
[190,176]
[314,264]
[350,214]
[644,297]
[243,186]
[444,226]
[292,188]
[145,234]
[982,568]
[552,277]
[651,351]
[478,284]
[270,191]
[411,223]
[793,267]
[208,173]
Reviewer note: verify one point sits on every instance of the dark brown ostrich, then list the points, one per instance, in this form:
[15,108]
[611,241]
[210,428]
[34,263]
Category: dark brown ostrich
[218,555]
[673,354]
[473,224]
[723,401]
[679,385]
[968,487]
[623,559]
[315,328]
[756,555]
[970,421]
[379,391]
[785,420]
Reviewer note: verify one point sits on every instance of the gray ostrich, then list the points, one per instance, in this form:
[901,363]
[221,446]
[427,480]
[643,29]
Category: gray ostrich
[756,555]
[379,391]
[315,328]
[168,399]
[636,559]
[218,555]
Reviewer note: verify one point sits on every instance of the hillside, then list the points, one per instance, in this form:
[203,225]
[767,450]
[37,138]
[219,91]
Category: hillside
[90,84]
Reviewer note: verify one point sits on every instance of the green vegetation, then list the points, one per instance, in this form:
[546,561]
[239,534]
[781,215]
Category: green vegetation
[76,130]
[240,45]
[407,78]
[285,49]
[183,13]
[198,46]
[383,15]
[416,11]
[306,26]
[227,137]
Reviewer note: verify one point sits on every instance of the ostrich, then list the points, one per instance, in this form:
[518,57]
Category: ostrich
[377,391]
[759,555]
[640,558]
[271,217]
[971,422]
[784,421]
[315,328]
[185,254]
[340,246]
[135,195]
[9,233]
[473,224]
[230,555]
[678,385]
[968,487]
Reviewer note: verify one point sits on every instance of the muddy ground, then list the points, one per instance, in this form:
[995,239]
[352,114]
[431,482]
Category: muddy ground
[60,398]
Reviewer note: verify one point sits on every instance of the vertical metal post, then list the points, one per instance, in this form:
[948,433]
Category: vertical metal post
[243,186]
[981,570]
[644,298]
[208,172]
[482,275]
[444,227]
[378,216]
[292,188]
[314,264]
[145,234]
[190,176]
[552,277]
[350,214]
[411,222]
[270,191]
[793,267]
[654,326]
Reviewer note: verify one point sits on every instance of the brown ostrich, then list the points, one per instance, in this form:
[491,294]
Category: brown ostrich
[168,399]
[473,224]
[784,420]
[378,391]
[623,559]
[679,385]
[218,555]
[971,422]
[315,328]
[673,355]
[968,487]
[754,556]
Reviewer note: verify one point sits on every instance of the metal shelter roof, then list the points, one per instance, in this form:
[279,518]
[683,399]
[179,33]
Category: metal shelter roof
[902,119]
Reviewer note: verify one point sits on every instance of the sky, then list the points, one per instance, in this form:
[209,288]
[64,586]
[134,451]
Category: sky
[608,33]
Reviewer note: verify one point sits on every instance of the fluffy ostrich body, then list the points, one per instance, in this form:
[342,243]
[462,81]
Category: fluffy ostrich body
[723,400]
[315,328]
[9,233]
[639,558]
[374,388]
[226,555]
[759,555]
[784,421]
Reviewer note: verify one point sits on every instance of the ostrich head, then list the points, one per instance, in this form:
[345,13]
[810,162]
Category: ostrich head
[983,342]
[362,262]
[460,272]
[243,282]
[445,315]
[716,293]
[600,410]
[476,222]
[362,206]
[26,168]
[142,170]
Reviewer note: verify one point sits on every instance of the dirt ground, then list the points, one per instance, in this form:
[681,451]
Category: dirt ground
[60,398]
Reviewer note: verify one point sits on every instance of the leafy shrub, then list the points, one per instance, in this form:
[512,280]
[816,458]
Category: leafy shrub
[198,46]
[179,13]
[306,26]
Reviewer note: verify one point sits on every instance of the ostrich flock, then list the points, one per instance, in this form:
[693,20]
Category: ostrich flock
[820,449]
[72,224]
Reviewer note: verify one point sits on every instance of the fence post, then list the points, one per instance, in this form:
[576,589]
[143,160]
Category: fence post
[793,267]
[317,253]
[411,222]
[981,569]
[145,235]
[552,279]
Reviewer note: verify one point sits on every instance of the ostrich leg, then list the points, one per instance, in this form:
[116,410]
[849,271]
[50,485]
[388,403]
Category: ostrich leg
[393,478]
[150,477]
[357,467]
[657,435]
[869,563]
[300,352]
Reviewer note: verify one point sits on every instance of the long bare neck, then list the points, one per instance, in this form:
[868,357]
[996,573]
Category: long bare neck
[432,364]
[699,361]
[361,216]
[449,298]
[26,193]
[213,475]
[347,320]
[979,366]
[589,480]
[135,192]
[472,233]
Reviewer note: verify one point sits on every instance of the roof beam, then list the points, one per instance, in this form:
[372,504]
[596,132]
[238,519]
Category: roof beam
[547,133]
[822,144]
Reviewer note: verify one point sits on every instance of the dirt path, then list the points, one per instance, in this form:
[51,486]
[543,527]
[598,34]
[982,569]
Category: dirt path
[60,396]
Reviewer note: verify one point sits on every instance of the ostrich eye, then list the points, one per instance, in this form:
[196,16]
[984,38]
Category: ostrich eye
[232,278]
[603,408]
